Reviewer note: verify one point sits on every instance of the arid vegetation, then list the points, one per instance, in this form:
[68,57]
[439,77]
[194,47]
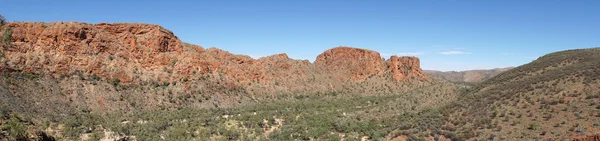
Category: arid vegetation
[553,97]
[139,82]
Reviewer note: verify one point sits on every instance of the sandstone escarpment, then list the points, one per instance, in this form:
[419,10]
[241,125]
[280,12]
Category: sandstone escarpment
[283,67]
[112,51]
[403,68]
[358,64]
[132,53]
[112,67]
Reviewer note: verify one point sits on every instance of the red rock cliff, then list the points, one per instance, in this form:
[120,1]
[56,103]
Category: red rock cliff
[403,68]
[144,52]
[356,63]
[360,64]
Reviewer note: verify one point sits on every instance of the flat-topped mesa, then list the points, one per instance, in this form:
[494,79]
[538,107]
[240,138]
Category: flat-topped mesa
[404,68]
[357,64]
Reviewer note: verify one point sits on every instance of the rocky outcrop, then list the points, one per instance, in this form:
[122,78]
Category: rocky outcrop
[403,68]
[111,51]
[280,67]
[358,64]
[132,53]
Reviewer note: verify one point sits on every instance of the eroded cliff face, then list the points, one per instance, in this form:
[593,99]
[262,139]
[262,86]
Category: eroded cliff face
[361,64]
[111,51]
[353,63]
[403,68]
[127,52]
[120,66]
[144,52]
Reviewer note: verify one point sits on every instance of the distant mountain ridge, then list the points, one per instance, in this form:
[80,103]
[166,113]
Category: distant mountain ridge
[468,76]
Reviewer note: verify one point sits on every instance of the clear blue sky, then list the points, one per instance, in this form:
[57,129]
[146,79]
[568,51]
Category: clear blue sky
[446,35]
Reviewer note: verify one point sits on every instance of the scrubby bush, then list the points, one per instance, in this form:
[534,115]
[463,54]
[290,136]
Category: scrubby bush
[81,123]
[580,130]
[115,82]
[97,136]
[2,20]
[533,126]
[7,37]
[4,111]
[15,129]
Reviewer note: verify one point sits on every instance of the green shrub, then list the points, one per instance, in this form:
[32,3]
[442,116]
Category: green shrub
[4,111]
[580,130]
[7,37]
[178,134]
[533,126]
[2,20]
[78,124]
[115,82]
[15,129]
[95,77]
[578,115]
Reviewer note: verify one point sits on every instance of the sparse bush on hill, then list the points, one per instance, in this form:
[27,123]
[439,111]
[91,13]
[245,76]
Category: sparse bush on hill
[7,37]
[542,90]
[4,111]
[15,129]
[81,123]
[2,20]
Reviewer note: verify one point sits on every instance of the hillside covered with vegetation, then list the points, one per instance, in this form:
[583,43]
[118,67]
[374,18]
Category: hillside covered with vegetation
[123,81]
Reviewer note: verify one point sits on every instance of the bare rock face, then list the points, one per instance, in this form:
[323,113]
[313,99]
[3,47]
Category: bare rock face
[358,64]
[403,68]
[280,67]
[132,53]
[110,51]
[242,68]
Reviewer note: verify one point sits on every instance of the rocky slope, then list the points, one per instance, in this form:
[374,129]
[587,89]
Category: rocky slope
[555,97]
[116,66]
